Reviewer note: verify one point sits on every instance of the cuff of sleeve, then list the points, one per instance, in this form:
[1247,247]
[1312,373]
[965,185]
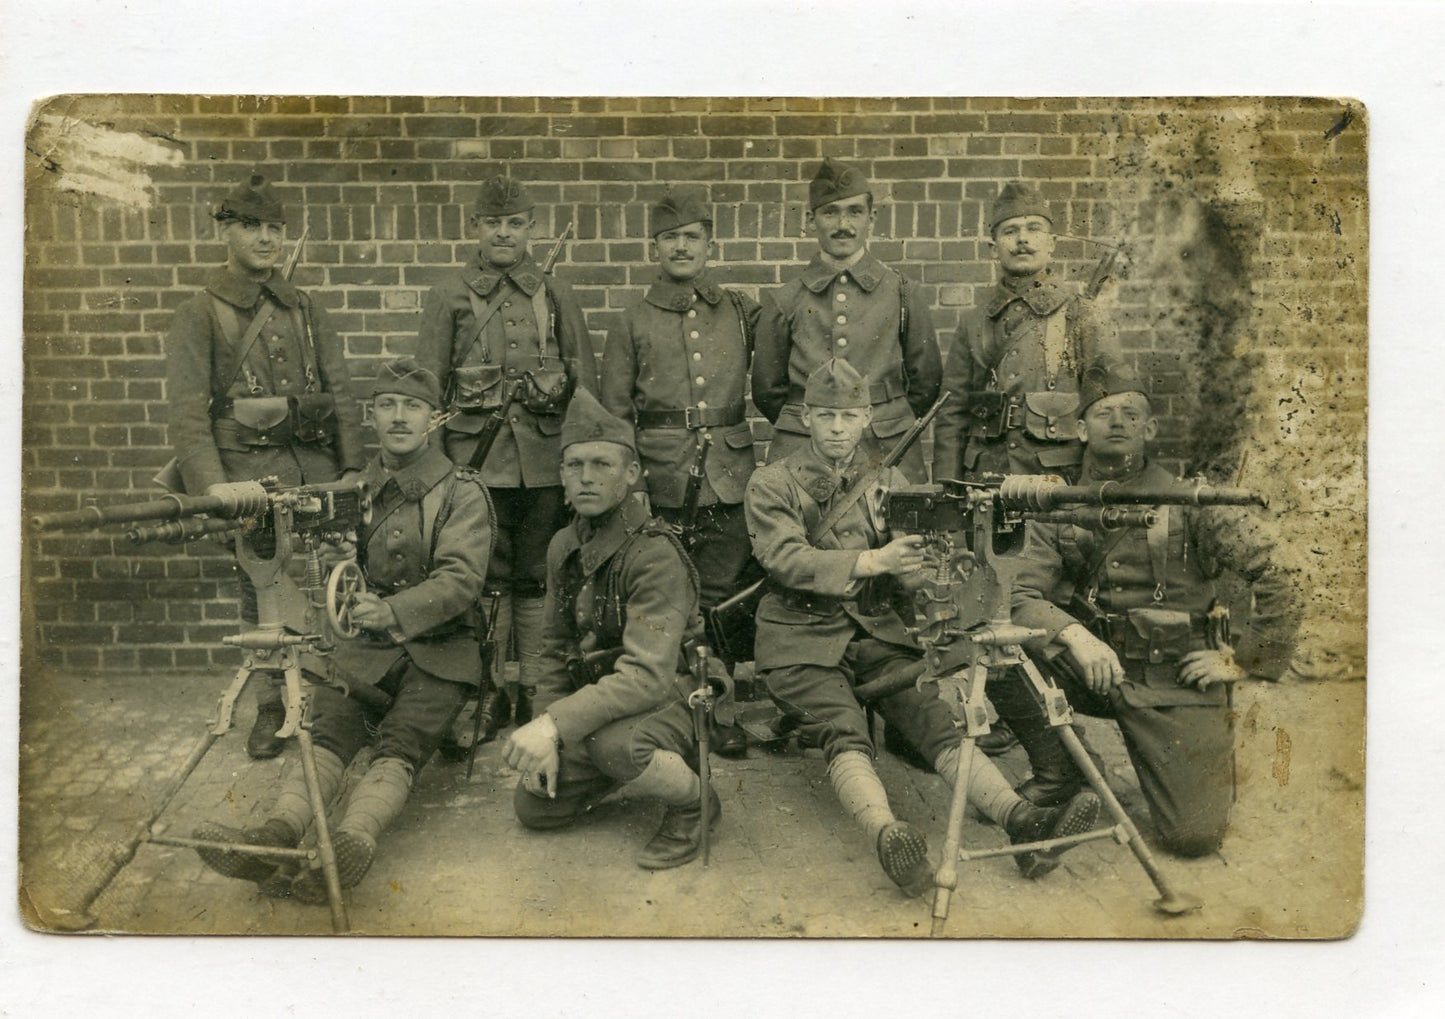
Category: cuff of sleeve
[576,715]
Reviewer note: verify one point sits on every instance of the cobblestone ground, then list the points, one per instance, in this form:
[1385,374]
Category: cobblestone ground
[96,750]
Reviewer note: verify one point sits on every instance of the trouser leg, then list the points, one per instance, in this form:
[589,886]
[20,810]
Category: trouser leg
[1184,757]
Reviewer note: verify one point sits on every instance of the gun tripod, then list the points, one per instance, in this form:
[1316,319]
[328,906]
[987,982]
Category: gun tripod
[996,648]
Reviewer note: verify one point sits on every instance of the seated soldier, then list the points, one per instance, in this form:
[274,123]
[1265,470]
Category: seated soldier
[621,591]
[1144,594]
[822,632]
[424,553]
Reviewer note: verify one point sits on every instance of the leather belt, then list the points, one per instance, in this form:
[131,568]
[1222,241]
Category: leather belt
[809,601]
[692,417]
[1112,627]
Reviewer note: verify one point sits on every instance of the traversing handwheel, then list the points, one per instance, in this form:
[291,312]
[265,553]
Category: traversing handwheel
[342,587]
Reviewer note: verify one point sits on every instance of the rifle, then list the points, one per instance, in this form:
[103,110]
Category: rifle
[701,702]
[687,520]
[492,427]
[1103,269]
[169,477]
[487,693]
[552,255]
[730,623]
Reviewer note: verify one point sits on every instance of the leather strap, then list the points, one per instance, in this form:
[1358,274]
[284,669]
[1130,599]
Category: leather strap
[1157,538]
[481,315]
[692,417]
[230,322]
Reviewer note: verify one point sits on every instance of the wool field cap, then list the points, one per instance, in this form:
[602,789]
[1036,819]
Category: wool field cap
[1101,381]
[253,199]
[679,208]
[836,384]
[589,421]
[501,196]
[406,377]
[1018,198]
[835,181]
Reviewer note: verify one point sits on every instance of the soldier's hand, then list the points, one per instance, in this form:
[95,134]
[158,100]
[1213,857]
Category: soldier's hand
[532,750]
[371,613]
[1205,668]
[335,551]
[901,555]
[1094,660]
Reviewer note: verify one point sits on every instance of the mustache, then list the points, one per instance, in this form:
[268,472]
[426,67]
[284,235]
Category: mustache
[839,235]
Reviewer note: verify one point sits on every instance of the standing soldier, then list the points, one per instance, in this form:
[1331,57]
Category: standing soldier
[612,697]
[1015,368]
[258,387]
[1017,361]
[503,336]
[424,554]
[1129,622]
[830,623]
[846,304]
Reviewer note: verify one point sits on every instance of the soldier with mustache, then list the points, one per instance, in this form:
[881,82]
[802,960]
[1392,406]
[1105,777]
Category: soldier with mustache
[848,305]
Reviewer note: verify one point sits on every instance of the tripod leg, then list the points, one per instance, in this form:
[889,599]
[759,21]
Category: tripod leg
[340,924]
[946,880]
[1170,902]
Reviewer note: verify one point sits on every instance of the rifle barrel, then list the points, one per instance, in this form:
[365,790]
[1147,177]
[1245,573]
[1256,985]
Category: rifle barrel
[900,449]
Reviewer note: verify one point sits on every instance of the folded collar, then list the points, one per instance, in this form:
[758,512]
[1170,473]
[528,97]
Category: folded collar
[483,278]
[670,295]
[868,271]
[817,477]
[1044,296]
[414,480]
[244,293]
[599,541]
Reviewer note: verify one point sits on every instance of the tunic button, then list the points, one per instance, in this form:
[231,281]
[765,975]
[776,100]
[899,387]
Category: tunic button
[1115,564]
[693,334]
[1011,445]
[692,313]
[842,297]
[396,533]
[702,405]
[696,356]
[699,380]
[514,344]
[506,304]
[843,277]
[842,341]
[842,320]
[515,419]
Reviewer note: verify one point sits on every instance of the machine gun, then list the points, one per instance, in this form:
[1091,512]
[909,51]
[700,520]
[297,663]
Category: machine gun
[973,533]
[269,522]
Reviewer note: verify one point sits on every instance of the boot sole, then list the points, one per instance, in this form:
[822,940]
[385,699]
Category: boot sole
[1081,816]
[241,866]
[353,859]
[903,852]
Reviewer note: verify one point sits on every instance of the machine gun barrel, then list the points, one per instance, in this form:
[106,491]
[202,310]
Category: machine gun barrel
[178,532]
[240,499]
[1039,492]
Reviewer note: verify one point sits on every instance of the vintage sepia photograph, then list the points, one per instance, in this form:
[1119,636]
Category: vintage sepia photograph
[694,517]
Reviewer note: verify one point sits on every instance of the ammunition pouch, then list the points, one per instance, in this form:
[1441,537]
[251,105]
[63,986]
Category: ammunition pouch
[257,421]
[547,388]
[477,387]
[1154,636]
[732,625]
[808,601]
[1049,417]
[315,418]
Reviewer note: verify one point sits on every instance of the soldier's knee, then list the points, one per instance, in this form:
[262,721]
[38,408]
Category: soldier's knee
[541,813]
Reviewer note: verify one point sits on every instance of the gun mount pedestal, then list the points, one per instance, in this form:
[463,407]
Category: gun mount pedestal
[964,627]
[256,511]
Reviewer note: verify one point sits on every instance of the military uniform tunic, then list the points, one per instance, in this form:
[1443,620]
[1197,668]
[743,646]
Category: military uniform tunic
[1179,738]
[296,354]
[1004,346]
[853,314]
[682,351]
[526,453]
[424,553]
[817,638]
[615,581]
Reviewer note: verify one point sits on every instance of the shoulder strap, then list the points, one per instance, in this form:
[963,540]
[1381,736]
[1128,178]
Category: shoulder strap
[301,322]
[444,511]
[248,338]
[612,580]
[743,327]
[481,315]
[1157,538]
[542,312]
[904,290]
[1056,343]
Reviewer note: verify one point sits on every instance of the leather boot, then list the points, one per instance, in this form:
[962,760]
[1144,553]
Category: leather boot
[730,742]
[246,866]
[679,837]
[903,852]
[999,739]
[263,743]
[1028,823]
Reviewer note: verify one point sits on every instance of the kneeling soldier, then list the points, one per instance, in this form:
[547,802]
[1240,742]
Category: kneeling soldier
[831,623]
[611,697]
[424,554]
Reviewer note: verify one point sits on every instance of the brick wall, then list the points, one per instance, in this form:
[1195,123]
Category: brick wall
[1241,290]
